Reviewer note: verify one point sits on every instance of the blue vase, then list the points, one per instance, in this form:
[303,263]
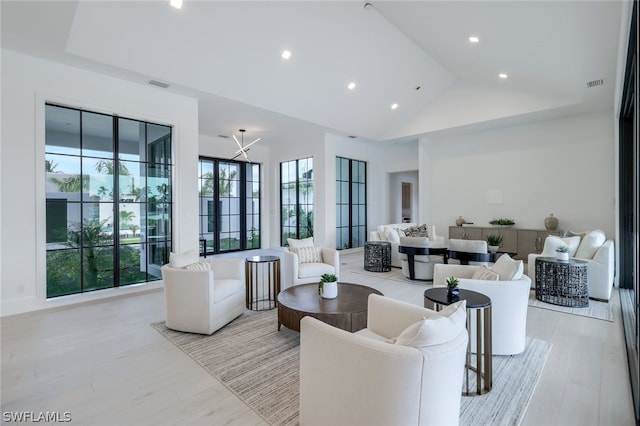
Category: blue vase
[453,291]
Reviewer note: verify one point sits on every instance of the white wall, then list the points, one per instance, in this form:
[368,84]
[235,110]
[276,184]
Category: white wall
[564,166]
[27,83]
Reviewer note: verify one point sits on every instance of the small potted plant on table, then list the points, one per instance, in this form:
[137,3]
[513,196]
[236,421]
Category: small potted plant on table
[452,287]
[328,287]
[562,253]
[494,241]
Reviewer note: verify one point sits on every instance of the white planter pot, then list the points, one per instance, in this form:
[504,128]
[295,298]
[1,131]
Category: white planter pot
[329,290]
[562,256]
[493,249]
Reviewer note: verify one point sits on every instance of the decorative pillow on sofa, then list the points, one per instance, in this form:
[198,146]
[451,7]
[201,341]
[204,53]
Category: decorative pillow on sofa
[590,244]
[392,235]
[437,329]
[551,243]
[180,260]
[305,242]
[508,269]
[201,265]
[484,273]
[308,254]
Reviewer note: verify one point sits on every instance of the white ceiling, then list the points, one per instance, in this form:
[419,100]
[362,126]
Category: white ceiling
[227,54]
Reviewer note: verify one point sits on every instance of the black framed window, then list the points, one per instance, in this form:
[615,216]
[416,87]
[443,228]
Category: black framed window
[108,200]
[296,199]
[351,203]
[229,193]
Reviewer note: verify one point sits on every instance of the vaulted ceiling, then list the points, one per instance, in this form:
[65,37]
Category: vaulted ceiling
[415,54]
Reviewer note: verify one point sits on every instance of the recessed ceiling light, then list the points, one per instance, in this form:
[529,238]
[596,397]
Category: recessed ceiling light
[474,39]
[286,54]
[394,106]
[502,75]
[351,85]
[176,3]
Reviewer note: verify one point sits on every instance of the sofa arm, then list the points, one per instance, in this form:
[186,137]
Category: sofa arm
[332,257]
[228,268]
[389,317]
[374,236]
[289,269]
[443,271]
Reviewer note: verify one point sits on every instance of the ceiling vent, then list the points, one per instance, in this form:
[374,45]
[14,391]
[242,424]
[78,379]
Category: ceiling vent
[594,83]
[223,136]
[158,83]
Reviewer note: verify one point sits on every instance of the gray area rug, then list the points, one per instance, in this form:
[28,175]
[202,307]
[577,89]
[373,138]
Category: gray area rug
[596,309]
[260,365]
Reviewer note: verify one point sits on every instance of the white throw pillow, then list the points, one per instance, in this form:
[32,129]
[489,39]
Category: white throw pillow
[590,244]
[436,330]
[180,260]
[308,254]
[551,243]
[201,265]
[305,242]
[484,273]
[392,235]
[508,269]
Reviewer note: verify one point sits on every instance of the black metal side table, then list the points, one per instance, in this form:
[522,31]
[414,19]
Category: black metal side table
[262,281]
[437,297]
[562,282]
[377,256]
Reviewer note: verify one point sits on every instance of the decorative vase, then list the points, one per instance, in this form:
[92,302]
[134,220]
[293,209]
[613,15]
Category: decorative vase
[562,255]
[453,292]
[493,249]
[329,290]
[551,222]
[459,221]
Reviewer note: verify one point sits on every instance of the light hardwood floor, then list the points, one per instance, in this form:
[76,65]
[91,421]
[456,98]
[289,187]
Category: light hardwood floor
[105,365]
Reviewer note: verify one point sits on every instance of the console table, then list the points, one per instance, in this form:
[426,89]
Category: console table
[562,282]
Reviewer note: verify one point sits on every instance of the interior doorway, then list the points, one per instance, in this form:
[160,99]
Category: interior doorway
[407,204]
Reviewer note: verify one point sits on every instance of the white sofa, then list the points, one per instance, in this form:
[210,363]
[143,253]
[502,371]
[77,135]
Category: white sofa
[363,379]
[390,233]
[203,301]
[592,247]
[509,303]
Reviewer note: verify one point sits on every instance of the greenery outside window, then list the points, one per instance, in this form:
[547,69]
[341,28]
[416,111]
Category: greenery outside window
[108,200]
[351,203]
[296,199]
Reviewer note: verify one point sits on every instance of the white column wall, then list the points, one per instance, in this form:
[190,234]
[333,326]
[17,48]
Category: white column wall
[27,83]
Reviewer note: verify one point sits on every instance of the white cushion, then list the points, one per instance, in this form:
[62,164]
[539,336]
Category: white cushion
[180,260]
[435,330]
[392,235]
[551,243]
[306,270]
[201,265]
[305,242]
[308,254]
[484,273]
[590,244]
[508,269]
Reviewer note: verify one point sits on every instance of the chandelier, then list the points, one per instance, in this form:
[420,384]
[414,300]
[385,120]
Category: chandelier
[242,149]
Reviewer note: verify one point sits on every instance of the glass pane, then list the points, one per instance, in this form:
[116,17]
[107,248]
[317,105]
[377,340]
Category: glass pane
[97,179]
[97,135]
[63,272]
[97,268]
[206,168]
[129,219]
[132,264]
[131,139]
[132,182]
[158,255]
[159,219]
[62,174]
[62,130]
[159,183]
[60,214]
[159,144]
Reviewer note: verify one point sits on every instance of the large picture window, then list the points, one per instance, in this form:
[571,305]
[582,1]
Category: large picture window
[296,199]
[351,203]
[229,194]
[108,200]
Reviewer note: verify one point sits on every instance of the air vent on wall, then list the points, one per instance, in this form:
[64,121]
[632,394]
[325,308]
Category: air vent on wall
[594,83]
[158,83]
[223,136]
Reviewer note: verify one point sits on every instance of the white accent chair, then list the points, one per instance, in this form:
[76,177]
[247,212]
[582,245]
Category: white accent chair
[294,272]
[509,303]
[363,379]
[468,246]
[422,264]
[594,249]
[203,301]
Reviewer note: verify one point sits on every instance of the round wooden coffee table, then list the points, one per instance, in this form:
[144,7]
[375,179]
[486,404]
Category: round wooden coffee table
[348,311]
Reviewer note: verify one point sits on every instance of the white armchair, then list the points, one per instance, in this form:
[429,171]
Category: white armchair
[203,301]
[593,248]
[390,233]
[468,246]
[306,263]
[363,379]
[422,264]
[509,303]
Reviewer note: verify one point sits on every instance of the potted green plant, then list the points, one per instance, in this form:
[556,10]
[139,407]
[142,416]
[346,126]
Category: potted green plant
[494,241]
[328,287]
[502,222]
[562,253]
[452,287]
